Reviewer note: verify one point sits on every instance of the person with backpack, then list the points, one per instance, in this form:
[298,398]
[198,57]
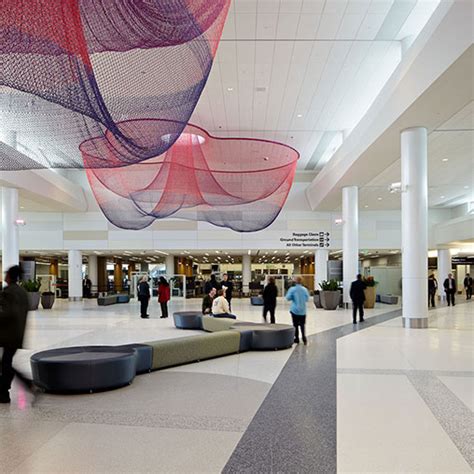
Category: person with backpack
[144,297]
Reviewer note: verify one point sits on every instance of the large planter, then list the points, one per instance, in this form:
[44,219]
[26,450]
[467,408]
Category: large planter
[317,300]
[47,300]
[33,300]
[330,299]
[369,297]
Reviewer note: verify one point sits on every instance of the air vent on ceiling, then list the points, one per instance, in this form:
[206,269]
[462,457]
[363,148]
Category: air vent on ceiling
[260,89]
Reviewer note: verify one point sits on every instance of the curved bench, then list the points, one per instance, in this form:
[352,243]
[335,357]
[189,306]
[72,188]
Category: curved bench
[187,319]
[267,336]
[84,369]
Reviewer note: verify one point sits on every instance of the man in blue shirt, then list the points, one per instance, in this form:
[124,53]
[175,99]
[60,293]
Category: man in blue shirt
[298,295]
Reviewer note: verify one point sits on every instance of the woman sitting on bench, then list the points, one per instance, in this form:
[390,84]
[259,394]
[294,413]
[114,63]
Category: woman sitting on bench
[220,307]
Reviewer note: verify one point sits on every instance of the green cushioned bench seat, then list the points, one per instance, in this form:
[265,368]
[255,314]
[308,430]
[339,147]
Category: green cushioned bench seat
[182,350]
[211,324]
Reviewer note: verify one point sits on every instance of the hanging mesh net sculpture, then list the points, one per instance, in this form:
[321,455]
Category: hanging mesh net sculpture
[121,79]
[237,183]
[87,55]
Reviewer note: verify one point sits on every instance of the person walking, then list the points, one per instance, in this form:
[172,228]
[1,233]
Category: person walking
[270,293]
[163,296]
[432,289]
[468,286]
[144,297]
[299,296]
[13,315]
[220,306]
[207,301]
[450,289]
[228,286]
[357,295]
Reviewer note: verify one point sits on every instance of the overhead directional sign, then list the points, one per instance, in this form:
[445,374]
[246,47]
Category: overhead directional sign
[307,240]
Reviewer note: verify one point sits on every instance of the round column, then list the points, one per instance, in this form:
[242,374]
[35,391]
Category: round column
[169,264]
[93,272]
[444,267]
[350,238]
[321,257]
[414,159]
[246,273]
[74,276]
[10,234]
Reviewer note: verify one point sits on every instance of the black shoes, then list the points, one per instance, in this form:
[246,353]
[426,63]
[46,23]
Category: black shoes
[297,341]
[362,320]
[147,316]
[305,341]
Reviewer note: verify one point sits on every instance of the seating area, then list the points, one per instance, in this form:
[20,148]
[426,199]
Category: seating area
[97,368]
[108,300]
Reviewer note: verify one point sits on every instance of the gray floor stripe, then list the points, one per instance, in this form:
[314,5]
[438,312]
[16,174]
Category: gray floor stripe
[452,414]
[295,428]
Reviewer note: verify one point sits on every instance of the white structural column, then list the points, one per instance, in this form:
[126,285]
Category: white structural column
[321,257]
[74,276]
[10,234]
[93,271]
[444,267]
[246,273]
[169,264]
[350,238]
[414,158]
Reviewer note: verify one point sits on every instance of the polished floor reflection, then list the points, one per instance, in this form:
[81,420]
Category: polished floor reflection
[191,418]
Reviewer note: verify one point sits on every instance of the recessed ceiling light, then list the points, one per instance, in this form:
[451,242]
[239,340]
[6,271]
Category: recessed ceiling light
[230,89]
[442,197]
[366,206]
[299,115]
[379,198]
[22,207]
[445,160]
[465,187]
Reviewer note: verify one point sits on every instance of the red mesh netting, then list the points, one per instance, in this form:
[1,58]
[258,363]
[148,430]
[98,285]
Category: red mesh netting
[237,183]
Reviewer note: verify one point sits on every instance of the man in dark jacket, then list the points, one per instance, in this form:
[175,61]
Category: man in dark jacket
[229,288]
[468,286]
[270,293]
[450,289]
[13,314]
[357,295]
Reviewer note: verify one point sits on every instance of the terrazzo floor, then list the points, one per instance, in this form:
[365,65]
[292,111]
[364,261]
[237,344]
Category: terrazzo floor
[192,418]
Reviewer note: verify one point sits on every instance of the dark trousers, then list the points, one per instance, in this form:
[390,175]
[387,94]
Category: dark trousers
[431,299]
[230,303]
[468,292]
[164,309]
[450,297]
[143,305]
[266,309]
[299,321]
[357,306]
[7,370]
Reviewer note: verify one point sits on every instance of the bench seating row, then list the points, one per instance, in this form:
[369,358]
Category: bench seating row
[98,368]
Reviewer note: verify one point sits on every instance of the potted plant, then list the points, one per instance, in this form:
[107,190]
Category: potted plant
[330,294]
[47,298]
[369,291]
[32,290]
[317,299]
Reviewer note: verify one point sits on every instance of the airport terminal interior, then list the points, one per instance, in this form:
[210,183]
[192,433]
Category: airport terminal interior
[244,234]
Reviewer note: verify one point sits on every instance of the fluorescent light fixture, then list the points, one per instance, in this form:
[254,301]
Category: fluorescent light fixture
[442,197]
[230,89]
[366,206]
[20,222]
[299,115]
[162,253]
[444,160]
[379,198]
